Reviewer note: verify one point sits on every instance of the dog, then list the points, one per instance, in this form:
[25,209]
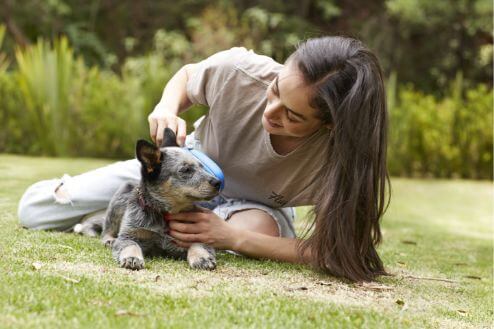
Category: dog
[171,181]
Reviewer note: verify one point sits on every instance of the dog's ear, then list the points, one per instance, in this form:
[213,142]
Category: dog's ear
[149,155]
[169,138]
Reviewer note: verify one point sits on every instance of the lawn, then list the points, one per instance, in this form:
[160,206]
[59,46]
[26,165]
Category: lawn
[437,244]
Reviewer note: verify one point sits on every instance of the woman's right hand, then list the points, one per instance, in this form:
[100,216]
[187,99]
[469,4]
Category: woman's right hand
[162,118]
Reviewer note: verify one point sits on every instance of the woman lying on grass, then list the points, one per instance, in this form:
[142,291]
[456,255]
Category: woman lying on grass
[310,132]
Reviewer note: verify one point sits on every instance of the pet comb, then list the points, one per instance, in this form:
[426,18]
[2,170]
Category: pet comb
[209,165]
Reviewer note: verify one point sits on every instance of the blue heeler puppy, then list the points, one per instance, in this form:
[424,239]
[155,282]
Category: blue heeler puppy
[172,180]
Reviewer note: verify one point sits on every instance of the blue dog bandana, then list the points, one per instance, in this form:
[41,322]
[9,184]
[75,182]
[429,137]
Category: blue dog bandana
[209,165]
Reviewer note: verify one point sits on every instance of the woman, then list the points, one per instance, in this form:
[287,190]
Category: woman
[310,132]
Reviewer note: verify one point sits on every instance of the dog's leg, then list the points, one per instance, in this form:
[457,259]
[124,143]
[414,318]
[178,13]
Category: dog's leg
[201,256]
[111,225]
[114,214]
[91,224]
[128,253]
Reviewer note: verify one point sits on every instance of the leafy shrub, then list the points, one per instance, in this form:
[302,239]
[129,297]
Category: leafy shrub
[15,135]
[45,77]
[3,57]
[473,134]
[51,103]
[105,113]
[68,109]
[447,137]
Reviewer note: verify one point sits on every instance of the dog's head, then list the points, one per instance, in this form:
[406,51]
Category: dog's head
[173,174]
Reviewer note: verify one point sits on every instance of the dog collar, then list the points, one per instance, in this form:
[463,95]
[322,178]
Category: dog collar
[209,165]
[143,204]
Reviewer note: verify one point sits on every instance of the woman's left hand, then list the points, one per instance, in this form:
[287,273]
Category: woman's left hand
[203,226]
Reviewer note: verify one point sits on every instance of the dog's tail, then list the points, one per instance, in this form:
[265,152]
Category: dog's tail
[91,224]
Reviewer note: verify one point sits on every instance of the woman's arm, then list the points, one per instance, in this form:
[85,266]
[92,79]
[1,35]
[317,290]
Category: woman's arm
[206,227]
[258,245]
[174,98]
[173,101]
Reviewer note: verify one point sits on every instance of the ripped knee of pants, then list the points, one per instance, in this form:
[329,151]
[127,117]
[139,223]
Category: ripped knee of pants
[61,192]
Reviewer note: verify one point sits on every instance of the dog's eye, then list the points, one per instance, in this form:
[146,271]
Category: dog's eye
[185,170]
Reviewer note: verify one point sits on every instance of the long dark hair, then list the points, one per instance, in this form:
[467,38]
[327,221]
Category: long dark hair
[348,91]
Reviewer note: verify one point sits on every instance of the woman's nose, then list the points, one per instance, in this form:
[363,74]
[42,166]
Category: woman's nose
[273,108]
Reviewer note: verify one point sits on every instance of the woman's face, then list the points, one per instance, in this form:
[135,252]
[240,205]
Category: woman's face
[288,112]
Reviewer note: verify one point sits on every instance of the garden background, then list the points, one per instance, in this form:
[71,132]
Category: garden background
[79,78]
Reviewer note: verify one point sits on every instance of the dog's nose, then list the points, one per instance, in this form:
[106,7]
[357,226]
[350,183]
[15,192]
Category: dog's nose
[216,183]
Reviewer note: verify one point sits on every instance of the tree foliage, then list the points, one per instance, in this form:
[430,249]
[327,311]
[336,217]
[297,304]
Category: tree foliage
[425,42]
[78,78]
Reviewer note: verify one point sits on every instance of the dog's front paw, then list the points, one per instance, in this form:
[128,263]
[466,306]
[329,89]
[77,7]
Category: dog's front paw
[132,263]
[201,258]
[203,263]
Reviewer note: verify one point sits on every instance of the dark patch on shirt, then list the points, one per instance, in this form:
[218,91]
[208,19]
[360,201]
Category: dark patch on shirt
[278,198]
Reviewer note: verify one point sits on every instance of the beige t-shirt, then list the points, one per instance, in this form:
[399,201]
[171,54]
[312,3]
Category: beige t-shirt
[233,84]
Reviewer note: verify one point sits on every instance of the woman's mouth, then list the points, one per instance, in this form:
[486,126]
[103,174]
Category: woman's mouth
[274,125]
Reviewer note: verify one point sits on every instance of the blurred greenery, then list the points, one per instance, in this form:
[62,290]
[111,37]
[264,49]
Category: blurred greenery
[78,78]
[440,137]
[425,42]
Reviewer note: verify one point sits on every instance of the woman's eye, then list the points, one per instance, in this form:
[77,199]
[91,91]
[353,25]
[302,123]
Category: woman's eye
[290,119]
[275,91]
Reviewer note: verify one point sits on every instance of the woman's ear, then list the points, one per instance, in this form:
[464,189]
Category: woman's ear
[148,154]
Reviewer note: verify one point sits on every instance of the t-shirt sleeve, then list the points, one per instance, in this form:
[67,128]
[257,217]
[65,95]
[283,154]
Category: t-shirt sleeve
[211,75]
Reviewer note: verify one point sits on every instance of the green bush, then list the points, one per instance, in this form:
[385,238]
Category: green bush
[15,135]
[4,63]
[45,77]
[473,134]
[448,137]
[51,103]
[107,114]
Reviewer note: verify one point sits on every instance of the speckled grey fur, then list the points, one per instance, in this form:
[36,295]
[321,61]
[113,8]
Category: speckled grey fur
[172,180]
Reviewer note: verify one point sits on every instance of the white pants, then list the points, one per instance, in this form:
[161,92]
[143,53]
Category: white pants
[61,203]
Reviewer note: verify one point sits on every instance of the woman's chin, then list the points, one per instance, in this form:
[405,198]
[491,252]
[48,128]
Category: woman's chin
[265,125]
[267,128]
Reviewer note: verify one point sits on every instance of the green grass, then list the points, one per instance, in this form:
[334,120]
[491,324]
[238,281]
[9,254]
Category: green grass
[434,229]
